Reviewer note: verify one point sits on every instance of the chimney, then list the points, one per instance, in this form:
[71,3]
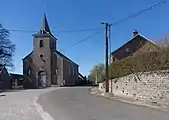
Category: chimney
[135,32]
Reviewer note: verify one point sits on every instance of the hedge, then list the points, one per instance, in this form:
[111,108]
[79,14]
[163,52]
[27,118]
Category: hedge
[150,61]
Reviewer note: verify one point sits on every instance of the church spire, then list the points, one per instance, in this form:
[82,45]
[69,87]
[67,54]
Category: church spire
[45,27]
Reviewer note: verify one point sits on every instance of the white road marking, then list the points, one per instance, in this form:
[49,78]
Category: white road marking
[39,108]
[43,114]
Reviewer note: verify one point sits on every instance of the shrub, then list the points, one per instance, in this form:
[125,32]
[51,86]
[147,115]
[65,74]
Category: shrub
[149,61]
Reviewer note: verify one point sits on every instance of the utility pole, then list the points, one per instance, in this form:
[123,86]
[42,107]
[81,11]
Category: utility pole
[106,55]
[96,79]
[110,54]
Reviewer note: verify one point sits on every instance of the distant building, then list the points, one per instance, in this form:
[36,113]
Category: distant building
[17,80]
[5,79]
[136,46]
[45,65]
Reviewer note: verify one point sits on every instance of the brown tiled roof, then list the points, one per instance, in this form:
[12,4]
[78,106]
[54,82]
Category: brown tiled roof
[139,35]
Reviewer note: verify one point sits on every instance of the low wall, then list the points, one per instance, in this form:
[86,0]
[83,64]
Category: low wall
[149,86]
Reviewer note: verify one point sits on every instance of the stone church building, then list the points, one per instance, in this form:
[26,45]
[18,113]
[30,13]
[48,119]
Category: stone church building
[45,65]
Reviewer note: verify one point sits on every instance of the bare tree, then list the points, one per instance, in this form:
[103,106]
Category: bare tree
[7,49]
[164,42]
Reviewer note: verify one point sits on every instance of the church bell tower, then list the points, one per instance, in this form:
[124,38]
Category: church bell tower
[43,45]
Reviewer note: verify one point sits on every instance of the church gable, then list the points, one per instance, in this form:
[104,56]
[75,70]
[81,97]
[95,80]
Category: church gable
[29,55]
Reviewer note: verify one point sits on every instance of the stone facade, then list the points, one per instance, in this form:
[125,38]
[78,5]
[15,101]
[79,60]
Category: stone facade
[68,71]
[137,45]
[45,65]
[149,86]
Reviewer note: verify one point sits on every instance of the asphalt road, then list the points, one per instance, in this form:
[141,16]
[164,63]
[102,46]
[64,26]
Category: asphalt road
[77,104]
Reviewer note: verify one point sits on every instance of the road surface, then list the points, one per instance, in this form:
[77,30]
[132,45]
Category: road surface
[77,104]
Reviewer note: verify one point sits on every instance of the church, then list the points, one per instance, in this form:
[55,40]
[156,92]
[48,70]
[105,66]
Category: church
[45,65]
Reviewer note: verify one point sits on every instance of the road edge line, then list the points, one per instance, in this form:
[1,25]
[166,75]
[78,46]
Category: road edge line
[39,108]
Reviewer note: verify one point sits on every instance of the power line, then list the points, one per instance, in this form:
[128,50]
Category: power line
[140,12]
[19,30]
[94,29]
[85,39]
[82,30]
[134,15]
[114,23]
[59,31]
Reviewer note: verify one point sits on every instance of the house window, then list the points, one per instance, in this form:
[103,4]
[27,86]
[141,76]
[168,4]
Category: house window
[29,71]
[73,72]
[41,43]
[127,50]
[69,69]
[114,59]
[56,71]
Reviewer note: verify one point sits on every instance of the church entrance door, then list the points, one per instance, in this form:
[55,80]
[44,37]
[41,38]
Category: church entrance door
[42,79]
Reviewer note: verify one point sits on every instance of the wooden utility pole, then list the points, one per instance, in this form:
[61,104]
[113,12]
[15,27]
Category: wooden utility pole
[96,78]
[106,57]
[110,54]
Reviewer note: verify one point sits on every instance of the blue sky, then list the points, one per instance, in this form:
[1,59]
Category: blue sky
[80,14]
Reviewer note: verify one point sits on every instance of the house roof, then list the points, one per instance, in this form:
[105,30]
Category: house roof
[81,76]
[138,35]
[64,57]
[2,67]
[17,76]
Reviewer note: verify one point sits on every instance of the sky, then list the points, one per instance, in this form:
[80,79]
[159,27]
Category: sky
[67,17]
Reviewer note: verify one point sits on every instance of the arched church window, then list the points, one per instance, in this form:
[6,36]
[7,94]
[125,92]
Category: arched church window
[29,71]
[41,43]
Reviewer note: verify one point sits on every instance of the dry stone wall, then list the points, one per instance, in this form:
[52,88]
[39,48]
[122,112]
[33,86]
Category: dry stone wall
[149,86]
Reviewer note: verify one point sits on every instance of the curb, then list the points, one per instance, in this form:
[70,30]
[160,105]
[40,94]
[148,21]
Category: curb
[102,94]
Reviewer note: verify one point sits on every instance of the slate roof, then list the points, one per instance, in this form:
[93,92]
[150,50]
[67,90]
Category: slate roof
[64,57]
[45,27]
[27,55]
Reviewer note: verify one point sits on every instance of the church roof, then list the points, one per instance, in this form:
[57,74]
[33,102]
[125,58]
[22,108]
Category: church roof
[64,57]
[45,26]
[27,55]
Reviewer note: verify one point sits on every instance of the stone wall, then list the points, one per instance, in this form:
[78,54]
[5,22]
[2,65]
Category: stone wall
[149,86]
